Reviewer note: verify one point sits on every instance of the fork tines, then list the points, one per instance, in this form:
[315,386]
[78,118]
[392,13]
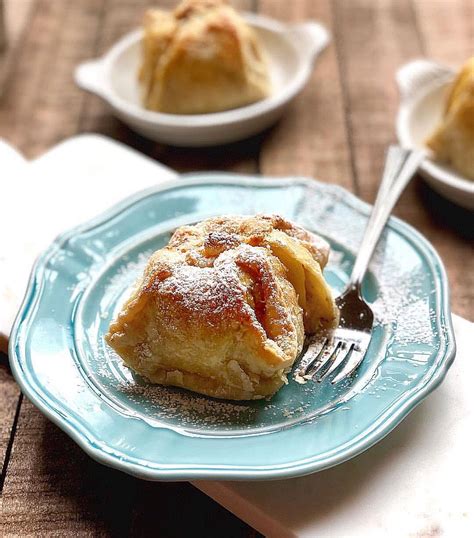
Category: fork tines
[327,354]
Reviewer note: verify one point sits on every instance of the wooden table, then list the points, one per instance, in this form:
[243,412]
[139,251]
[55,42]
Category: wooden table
[337,130]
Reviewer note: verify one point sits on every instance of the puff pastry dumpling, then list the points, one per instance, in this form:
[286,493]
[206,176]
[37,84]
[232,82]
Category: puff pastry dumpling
[453,141]
[200,58]
[222,309]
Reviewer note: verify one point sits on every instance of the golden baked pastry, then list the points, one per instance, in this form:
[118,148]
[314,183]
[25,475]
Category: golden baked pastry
[223,308]
[201,58]
[453,140]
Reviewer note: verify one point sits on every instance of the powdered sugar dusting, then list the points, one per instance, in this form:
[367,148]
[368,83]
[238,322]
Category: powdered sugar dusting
[398,293]
[207,293]
[189,409]
[128,272]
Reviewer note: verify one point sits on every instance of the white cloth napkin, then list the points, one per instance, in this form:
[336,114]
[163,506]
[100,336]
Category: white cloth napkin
[74,181]
[416,482]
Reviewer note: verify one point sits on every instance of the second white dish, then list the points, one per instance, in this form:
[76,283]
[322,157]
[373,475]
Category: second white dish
[291,51]
[423,86]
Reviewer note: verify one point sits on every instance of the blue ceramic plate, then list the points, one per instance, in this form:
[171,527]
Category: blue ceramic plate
[60,360]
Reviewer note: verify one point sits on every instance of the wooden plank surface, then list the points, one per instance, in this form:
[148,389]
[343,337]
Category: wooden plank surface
[13,21]
[336,130]
[446,29]
[311,139]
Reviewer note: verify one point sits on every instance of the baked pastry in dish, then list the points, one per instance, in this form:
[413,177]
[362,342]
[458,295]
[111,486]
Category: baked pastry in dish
[453,141]
[223,309]
[201,58]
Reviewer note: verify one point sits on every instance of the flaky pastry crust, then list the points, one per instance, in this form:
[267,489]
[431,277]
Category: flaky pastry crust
[200,58]
[222,310]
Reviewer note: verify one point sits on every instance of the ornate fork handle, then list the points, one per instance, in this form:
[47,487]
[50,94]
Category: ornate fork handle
[400,166]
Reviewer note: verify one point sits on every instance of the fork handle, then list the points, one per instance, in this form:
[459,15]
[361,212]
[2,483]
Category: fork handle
[400,166]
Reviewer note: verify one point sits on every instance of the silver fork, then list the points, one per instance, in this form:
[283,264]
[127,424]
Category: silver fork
[348,344]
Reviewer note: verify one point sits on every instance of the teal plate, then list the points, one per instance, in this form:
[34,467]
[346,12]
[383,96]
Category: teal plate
[62,364]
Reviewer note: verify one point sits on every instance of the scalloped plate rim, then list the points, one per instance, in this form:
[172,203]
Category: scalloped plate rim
[139,468]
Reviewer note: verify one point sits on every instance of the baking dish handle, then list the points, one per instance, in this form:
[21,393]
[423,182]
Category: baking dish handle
[310,37]
[90,76]
[420,74]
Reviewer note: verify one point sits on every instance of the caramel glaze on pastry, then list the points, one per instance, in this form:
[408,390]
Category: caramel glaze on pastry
[453,141]
[200,58]
[222,309]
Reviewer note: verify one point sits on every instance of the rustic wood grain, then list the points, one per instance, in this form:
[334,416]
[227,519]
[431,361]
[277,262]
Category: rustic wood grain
[41,105]
[3,30]
[374,39]
[9,403]
[311,139]
[13,20]
[446,30]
